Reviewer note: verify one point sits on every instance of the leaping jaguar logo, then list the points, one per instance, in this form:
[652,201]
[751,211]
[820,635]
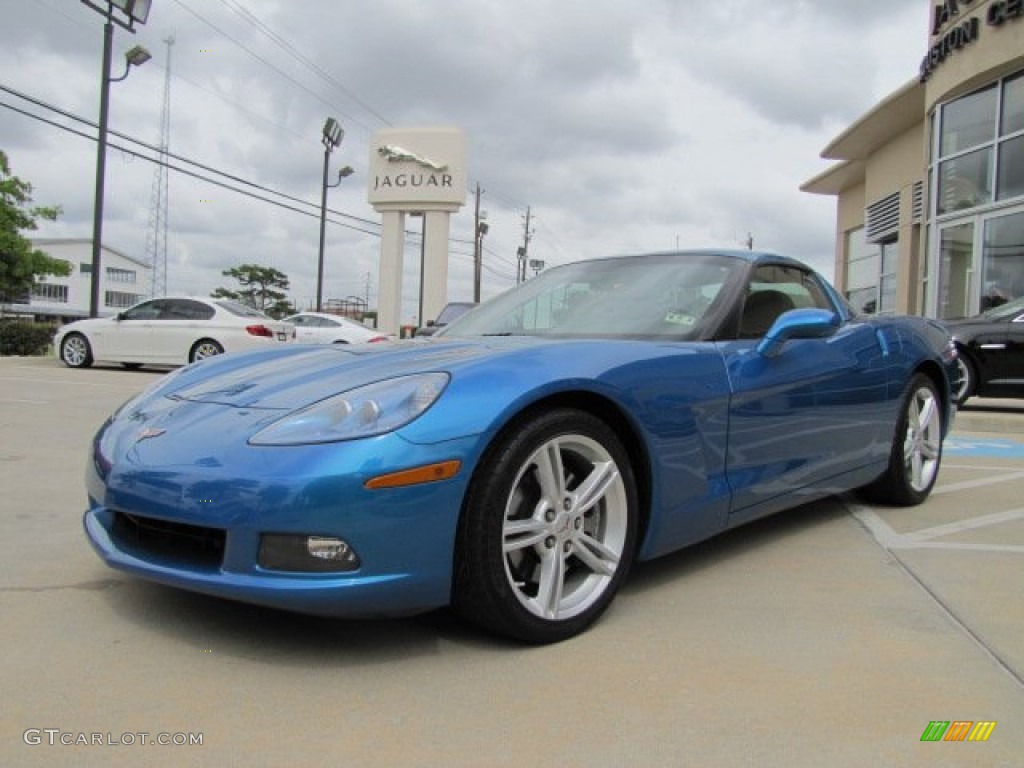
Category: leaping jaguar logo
[394,154]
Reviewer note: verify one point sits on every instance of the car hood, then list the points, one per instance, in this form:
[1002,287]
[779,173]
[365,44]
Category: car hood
[87,324]
[968,322]
[293,377]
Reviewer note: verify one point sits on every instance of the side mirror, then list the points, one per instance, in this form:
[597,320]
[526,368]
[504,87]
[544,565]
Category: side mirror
[797,324]
[431,323]
[119,316]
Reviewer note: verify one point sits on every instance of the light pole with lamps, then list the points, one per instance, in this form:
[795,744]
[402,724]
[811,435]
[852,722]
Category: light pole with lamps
[332,135]
[133,11]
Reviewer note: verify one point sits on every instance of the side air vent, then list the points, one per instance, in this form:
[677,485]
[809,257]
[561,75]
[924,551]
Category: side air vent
[882,218]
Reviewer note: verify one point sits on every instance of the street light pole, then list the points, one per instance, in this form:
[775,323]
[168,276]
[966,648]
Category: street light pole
[134,11]
[101,169]
[332,136]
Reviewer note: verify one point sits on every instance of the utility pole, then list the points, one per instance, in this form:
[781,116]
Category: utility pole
[478,247]
[523,252]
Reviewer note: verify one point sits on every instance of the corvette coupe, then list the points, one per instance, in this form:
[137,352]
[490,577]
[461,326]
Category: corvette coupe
[514,465]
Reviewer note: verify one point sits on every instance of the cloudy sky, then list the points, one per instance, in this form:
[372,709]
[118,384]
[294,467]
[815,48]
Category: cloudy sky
[625,125]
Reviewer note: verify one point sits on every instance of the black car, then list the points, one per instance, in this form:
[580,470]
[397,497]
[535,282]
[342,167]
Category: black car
[991,347]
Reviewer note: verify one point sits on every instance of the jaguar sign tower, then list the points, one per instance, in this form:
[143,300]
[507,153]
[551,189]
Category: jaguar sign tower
[415,171]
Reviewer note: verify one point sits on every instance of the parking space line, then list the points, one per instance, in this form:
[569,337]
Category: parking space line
[966,525]
[24,402]
[103,384]
[979,483]
[891,540]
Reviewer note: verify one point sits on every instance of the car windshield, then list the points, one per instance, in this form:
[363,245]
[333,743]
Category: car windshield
[661,295]
[1009,309]
[240,309]
[453,311]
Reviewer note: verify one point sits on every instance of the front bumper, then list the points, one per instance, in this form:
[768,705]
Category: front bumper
[214,503]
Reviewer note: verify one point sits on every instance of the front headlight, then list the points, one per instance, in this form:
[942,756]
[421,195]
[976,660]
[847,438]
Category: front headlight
[363,412]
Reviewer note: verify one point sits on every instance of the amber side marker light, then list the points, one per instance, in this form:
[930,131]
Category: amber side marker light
[426,474]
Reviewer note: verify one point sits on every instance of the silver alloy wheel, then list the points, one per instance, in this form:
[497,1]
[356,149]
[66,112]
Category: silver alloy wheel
[565,527]
[205,349]
[922,443]
[962,386]
[75,351]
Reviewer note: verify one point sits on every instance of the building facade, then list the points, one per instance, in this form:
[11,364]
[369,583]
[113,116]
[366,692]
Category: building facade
[930,182]
[125,281]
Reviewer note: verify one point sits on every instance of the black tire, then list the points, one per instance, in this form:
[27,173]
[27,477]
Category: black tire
[75,351]
[916,452]
[132,366]
[967,385]
[203,349]
[548,530]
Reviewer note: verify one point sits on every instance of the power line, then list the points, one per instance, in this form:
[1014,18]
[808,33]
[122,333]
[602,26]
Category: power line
[252,19]
[279,71]
[193,174]
[225,174]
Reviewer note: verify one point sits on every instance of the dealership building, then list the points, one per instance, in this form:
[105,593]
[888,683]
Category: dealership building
[930,182]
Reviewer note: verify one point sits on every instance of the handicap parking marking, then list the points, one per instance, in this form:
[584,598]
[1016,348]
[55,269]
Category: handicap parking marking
[983,446]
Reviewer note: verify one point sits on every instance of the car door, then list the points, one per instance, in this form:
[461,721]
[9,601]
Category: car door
[128,340]
[1001,346]
[307,329]
[181,324]
[808,413]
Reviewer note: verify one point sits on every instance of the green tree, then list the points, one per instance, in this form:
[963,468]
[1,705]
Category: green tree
[21,265]
[261,288]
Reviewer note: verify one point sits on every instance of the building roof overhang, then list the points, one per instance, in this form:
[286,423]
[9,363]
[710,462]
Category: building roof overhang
[836,179]
[898,112]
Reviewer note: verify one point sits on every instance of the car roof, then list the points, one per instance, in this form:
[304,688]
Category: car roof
[325,315]
[753,257]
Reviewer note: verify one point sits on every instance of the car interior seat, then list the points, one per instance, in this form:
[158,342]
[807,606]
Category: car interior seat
[760,310]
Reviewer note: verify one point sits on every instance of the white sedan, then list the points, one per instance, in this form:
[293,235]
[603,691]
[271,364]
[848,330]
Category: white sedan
[321,328]
[173,330]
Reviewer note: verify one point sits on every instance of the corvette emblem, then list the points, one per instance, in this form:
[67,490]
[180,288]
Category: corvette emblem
[147,433]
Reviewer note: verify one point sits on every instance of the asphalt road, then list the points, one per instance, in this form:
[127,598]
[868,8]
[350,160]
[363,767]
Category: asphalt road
[830,635]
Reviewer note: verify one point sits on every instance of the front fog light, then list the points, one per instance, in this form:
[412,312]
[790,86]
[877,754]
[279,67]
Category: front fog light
[328,548]
[318,554]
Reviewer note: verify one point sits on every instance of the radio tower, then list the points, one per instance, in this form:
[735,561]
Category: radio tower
[156,236]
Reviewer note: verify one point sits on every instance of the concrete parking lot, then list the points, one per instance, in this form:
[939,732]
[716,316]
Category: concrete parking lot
[831,635]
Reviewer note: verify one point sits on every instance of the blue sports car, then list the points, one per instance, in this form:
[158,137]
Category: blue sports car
[516,464]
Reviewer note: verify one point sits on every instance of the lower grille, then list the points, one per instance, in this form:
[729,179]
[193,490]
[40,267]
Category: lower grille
[183,544]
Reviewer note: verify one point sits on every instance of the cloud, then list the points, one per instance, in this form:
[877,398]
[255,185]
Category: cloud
[625,127]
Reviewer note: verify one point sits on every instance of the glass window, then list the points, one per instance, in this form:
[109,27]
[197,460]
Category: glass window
[240,310]
[648,296]
[149,310]
[968,122]
[186,309]
[887,278]
[1011,169]
[862,270]
[1013,105]
[1003,278]
[956,248]
[85,268]
[57,294]
[965,182]
[115,275]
